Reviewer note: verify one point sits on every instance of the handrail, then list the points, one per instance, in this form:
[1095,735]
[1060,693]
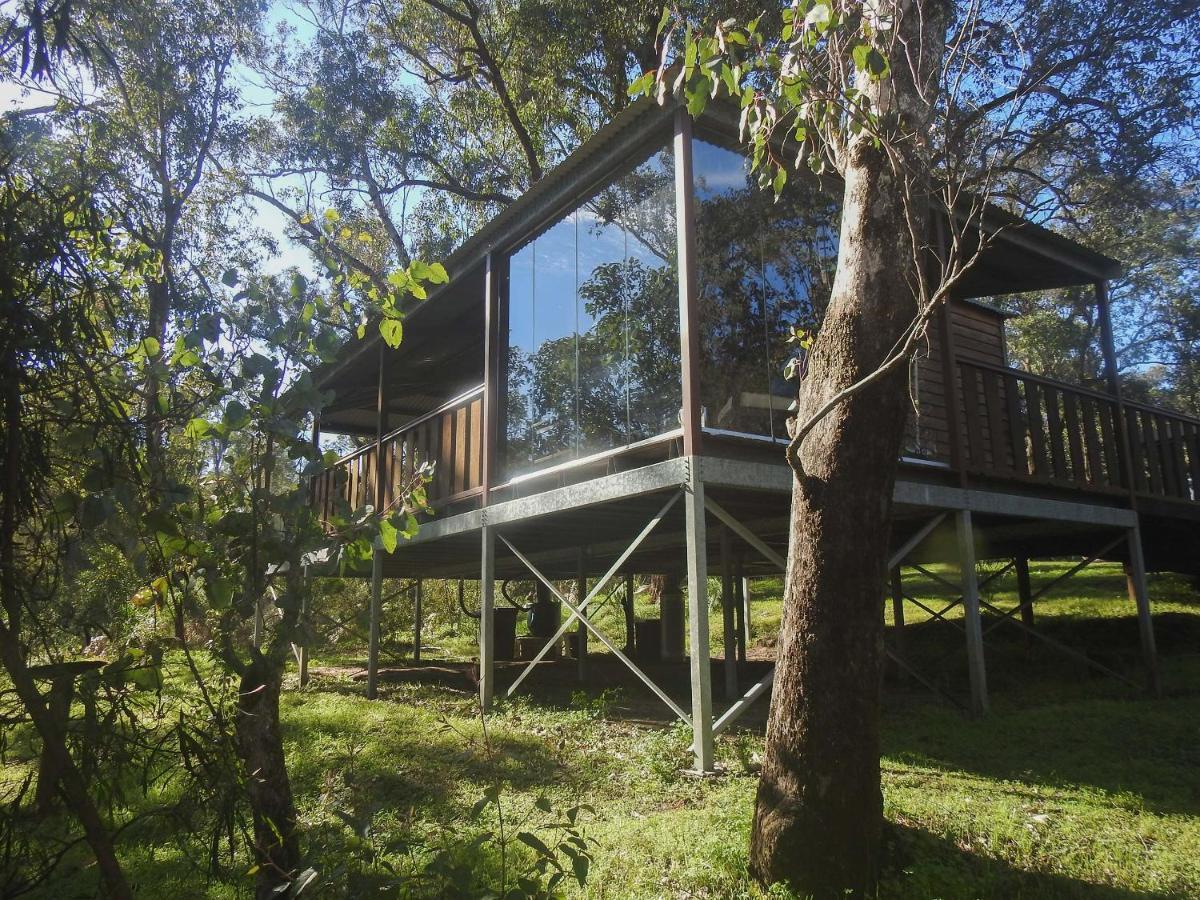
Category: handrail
[414,423]
[1025,426]
[1040,379]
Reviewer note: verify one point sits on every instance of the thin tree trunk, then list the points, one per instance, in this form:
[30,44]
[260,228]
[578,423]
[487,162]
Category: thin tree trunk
[260,746]
[819,810]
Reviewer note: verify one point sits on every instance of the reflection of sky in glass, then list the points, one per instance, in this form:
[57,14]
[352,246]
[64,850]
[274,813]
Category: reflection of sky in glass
[592,308]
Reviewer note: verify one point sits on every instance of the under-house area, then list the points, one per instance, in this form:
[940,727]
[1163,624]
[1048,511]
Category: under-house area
[599,395]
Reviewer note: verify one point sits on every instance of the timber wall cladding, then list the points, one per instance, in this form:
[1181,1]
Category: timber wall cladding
[451,438]
[978,335]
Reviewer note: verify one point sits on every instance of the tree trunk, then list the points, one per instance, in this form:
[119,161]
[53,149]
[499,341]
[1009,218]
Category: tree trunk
[260,745]
[819,810]
[12,654]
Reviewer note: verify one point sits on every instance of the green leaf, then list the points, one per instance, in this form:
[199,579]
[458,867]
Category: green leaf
[307,313]
[388,535]
[779,181]
[532,841]
[147,348]
[392,331]
[236,415]
[229,278]
[198,429]
[438,273]
[662,22]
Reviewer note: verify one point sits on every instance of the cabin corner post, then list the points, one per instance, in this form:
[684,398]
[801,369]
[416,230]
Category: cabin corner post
[689,313]
[487,534]
[379,502]
[954,393]
[1107,344]
[1135,575]
[976,666]
[1112,378]
[697,579]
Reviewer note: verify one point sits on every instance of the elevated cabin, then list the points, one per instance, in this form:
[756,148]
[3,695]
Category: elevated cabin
[616,338]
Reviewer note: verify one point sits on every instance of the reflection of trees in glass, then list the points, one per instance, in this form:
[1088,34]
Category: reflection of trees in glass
[612,376]
[765,266]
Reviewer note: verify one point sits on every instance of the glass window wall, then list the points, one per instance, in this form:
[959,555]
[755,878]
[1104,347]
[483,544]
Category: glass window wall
[765,266]
[593,334]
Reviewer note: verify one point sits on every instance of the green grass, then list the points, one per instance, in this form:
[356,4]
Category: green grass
[1076,785]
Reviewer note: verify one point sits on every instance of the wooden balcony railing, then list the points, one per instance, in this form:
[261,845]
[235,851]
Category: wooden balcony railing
[451,437]
[1023,426]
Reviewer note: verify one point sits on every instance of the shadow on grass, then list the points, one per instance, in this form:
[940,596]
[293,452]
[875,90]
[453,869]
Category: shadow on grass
[923,864]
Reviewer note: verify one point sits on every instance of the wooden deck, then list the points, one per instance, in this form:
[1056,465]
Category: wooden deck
[1014,427]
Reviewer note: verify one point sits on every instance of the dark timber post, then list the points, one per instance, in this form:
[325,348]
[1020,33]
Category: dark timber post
[581,634]
[740,607]
[379,500]
[945,321]
[417,589]
[976,667]
[630,618]
[747,619]
[897,580]
[1025,593]
[487,569]
[1112,376]
[728,619]
[697,542]
[1135,575]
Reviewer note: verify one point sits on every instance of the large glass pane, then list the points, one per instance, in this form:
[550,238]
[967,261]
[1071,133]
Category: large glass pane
[603,332]
[555,356]
[518,408]
[764,267]
[652,291]
[593,359]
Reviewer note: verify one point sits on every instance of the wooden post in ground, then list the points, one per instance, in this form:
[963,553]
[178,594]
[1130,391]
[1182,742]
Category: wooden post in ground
[302,648]
[746,610]
[976,666]
[630,617]
[417,591]
[898,642]
[1135,577]
[670,611]
[581,634]
[728,620]
[1025,595]
[741,608]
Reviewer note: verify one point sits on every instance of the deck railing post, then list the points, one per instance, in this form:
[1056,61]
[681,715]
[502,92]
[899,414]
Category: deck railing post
[697,583]
[1135,575]
[977,670]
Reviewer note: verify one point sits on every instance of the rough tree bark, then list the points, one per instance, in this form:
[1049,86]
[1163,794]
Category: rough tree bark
[260,746]
[819,810]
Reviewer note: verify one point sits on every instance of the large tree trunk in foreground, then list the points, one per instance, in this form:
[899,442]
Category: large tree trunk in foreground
[260,746]
[819,813]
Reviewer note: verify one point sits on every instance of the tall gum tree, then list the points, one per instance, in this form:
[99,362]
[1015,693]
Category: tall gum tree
[927,110]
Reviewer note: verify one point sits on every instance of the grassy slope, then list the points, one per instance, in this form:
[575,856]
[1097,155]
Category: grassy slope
[1074,787]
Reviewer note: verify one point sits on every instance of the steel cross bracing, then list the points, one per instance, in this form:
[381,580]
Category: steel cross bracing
[578,613]
[1005,616]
